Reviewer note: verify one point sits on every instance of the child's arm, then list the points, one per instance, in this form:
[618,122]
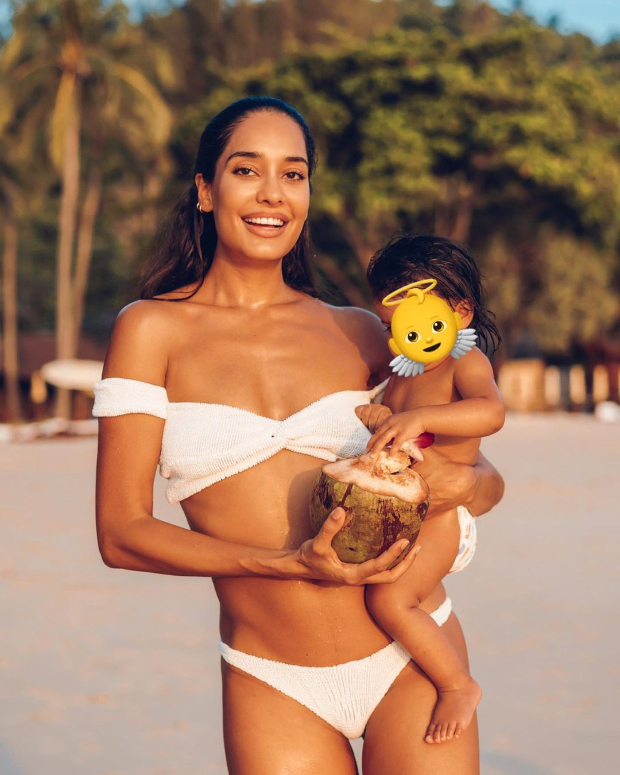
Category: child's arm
[479,413]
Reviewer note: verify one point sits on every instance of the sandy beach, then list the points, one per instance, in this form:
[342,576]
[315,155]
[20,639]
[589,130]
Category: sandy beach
[108,672]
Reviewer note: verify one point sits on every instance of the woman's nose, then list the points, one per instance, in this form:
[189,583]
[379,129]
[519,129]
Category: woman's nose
[270,190]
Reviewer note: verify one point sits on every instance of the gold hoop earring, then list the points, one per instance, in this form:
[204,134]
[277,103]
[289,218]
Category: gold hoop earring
[199,207]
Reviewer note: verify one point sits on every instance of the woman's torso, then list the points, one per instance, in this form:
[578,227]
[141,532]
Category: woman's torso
[275,362]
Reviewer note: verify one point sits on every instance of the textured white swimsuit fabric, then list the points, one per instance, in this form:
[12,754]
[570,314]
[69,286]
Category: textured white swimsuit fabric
[204,443]
[344,695]
[467,542]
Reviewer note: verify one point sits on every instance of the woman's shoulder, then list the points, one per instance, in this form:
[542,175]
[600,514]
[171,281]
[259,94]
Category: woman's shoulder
[143,319]
[140,342]
[366,330]
[356,319]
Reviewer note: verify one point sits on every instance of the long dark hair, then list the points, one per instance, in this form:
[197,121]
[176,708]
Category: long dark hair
[411,257]
[185,245]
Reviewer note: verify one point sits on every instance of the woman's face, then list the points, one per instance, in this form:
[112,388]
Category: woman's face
[260,193]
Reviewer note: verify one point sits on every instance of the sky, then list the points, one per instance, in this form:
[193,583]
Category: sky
[600,19]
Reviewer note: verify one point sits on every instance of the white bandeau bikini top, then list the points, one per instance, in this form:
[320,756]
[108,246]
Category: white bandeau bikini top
[204,443]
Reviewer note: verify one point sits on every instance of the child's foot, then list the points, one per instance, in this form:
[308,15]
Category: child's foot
[453,712]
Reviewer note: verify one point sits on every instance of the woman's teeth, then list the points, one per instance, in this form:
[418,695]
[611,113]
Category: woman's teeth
[265,221]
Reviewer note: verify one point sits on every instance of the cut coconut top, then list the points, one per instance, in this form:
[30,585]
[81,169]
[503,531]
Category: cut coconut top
[382,475]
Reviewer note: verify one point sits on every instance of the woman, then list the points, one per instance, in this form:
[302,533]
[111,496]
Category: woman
[244,386]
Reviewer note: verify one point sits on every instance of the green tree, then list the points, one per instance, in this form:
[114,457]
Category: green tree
[15,155]
[459,120]
[571,303]
[82,53]
[468,136]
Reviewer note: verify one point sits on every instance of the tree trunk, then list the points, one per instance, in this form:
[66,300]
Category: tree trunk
[340,279]
[454,209]
[151,193]
[464,211]
[361,248]
[9,321]
[86,229]
[65,316]
[442,210]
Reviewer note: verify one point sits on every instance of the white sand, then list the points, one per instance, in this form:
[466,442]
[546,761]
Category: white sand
[107,672]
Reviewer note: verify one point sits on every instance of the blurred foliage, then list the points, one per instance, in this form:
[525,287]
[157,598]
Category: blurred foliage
[459,120]
[571,303]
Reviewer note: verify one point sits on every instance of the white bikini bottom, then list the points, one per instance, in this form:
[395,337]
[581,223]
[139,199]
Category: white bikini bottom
[344,695]
[467,542]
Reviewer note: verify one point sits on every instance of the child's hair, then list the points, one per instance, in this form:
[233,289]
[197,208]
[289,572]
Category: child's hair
[411,257]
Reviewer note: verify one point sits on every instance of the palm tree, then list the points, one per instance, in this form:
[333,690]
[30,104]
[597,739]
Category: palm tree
[9,196]
[9,298]
[86,54]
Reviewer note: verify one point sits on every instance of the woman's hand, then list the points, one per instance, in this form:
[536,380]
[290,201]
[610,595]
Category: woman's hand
[318,560]
[478,487]
[451,484]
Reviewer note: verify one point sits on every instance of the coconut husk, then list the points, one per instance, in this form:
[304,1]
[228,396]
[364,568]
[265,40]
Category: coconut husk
[384,500]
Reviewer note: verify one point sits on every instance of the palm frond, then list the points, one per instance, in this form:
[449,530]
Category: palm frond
[159,112]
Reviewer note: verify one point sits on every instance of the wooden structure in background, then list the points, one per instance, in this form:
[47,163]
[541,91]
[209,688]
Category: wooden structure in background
[36,349]
[522,384]
[529,385]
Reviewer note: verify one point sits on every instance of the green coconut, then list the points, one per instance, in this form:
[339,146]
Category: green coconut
[383,498]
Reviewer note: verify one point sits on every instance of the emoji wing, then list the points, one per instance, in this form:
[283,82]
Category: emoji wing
[465,340]
[405,367]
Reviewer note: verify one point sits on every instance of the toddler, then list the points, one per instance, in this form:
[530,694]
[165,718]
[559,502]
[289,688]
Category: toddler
[457,400]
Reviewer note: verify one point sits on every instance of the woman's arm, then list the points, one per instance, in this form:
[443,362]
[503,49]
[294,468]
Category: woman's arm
[148,544]
[488,488]
[478,487]
[131,537]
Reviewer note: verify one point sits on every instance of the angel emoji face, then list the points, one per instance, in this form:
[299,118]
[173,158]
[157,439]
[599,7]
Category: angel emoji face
[424,329]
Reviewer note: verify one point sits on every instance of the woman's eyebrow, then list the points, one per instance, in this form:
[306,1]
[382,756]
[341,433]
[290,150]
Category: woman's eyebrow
[255,155]
[244,155]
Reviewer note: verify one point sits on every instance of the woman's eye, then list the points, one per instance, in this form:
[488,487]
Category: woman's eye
[243,171]
[438,326]
[294,175]
[413,336]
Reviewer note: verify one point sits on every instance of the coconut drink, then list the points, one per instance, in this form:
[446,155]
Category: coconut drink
[385,500]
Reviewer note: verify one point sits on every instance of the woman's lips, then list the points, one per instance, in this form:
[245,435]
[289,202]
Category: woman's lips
[266,230]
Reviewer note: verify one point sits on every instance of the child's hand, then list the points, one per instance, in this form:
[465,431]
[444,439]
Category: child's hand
[398,429]
[372,415]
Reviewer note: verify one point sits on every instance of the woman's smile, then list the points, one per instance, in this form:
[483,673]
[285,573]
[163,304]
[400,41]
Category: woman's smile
[266,224]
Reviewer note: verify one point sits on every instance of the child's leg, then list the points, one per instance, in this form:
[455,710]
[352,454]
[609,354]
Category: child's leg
[395,608]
